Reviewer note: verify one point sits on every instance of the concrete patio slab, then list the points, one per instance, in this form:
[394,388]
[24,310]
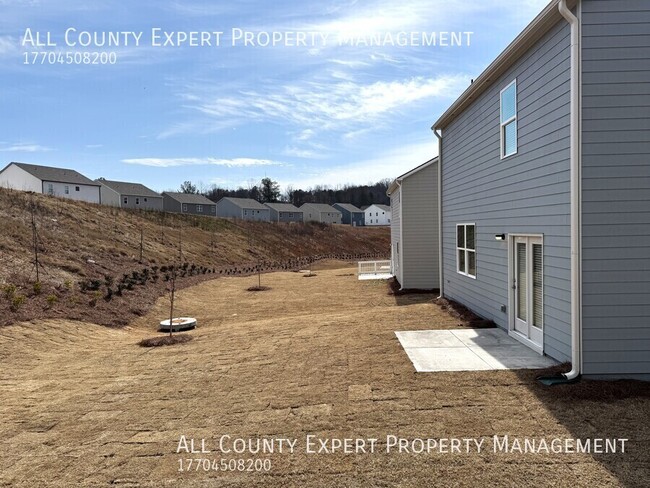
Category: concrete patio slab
[468,350]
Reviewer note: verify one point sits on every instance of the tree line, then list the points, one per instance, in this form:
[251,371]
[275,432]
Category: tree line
[269,191]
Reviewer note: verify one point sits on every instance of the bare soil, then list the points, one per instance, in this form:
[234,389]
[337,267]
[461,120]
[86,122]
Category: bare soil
[86,252]
[84,405]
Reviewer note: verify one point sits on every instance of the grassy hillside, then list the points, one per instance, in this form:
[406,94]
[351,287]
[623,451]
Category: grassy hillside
[89,252]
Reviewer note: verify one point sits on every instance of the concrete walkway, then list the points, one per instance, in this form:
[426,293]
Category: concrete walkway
[468,350]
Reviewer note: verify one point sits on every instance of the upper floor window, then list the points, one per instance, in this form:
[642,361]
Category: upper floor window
[509,120]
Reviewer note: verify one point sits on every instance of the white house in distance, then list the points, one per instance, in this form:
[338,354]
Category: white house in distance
[58,182]
[414,228]
[129,195]
[377,214]
[320,212]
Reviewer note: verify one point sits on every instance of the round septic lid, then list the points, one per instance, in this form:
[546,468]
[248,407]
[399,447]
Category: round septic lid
[179,323]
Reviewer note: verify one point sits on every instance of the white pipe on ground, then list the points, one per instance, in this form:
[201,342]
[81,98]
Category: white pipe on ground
[575,164]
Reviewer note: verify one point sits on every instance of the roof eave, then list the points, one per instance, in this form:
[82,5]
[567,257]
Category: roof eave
[541,24]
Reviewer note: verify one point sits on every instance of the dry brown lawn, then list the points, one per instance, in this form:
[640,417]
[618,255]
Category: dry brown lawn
[84,405]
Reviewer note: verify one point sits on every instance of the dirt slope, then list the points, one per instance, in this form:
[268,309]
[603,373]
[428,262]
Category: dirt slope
[87,252]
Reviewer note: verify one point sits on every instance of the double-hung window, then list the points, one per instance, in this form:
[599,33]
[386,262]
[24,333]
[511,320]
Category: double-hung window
[466,249]
[509,120]
[199,208]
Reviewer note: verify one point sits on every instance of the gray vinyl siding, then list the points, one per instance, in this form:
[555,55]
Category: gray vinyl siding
[110,197]
[351,218]
[151,203]
[616,188]
[419,202]
[527,193]
[282,216]
[227,209]
[171,205]
[395,234]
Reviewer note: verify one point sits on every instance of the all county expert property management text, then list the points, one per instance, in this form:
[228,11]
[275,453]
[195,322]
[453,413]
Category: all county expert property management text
[73,37]
[391,444]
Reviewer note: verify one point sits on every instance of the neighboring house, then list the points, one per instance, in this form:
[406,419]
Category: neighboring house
[284,212]
[350,214]
[320,212]
[414,232]
[58,182]
[129,195]
[546,189]
[377,214]
[243,208]
[188,203]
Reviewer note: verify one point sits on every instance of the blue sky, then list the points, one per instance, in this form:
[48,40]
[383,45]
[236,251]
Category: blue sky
[321,114]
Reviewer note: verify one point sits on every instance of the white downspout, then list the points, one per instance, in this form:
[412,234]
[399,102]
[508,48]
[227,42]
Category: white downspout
[400,253]
[440,270]
[576,297]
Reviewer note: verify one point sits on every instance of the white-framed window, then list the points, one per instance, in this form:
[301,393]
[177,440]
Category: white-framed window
[185,207]
[50,189]
[245,212]
[126,200]
[466,249]
[76,188]
[66,190]
[508,119]
[199,208]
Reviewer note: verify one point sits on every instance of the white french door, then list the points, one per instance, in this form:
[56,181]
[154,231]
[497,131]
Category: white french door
[527,297]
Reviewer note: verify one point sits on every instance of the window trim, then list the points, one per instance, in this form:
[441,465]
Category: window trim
[466,250]
[199,208]
[184,207]
[503,123]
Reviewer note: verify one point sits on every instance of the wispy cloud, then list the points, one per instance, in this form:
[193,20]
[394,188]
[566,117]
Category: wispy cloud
[390,164]
[25,147]
[323,105]
[171,162]
[94,146]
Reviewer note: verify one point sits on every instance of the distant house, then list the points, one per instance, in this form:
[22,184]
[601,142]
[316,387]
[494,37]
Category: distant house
[58,182]
[320,212]
[284,212]
[414,227]
[377,214]
[243,208]
[188,203]
[350,214]
[129,195]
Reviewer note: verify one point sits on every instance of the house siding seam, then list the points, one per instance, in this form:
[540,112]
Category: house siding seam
[419,200]
[527,193]
[616,188]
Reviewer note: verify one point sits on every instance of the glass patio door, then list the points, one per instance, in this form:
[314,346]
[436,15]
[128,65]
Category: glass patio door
[528,288]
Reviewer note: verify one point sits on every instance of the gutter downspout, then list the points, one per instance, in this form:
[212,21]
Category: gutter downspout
[575,151]
[400,253]
[440,271]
